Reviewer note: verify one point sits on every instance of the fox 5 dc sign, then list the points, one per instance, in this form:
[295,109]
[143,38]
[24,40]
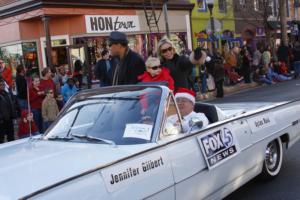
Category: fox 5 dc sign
[218,146]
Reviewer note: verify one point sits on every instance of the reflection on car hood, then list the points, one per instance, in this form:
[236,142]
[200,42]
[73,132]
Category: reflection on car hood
[28,166]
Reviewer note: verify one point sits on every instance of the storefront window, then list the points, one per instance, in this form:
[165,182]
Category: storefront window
[97,44]
[23,53]
[179,41]
[12,56]
[59,53]
[30,57]
[141,43]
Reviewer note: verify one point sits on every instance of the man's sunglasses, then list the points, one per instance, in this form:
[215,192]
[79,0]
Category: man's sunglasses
[167,49]
[155,67]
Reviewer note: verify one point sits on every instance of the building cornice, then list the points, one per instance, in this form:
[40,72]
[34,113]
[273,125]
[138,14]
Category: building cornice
[30,5]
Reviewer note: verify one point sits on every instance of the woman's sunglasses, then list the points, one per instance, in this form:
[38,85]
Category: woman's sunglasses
[167,49]
[155,67]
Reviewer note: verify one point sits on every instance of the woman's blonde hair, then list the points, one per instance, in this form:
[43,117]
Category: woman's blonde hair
[163,41]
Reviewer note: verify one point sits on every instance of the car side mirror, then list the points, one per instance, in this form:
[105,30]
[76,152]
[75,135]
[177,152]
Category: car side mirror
[195,123]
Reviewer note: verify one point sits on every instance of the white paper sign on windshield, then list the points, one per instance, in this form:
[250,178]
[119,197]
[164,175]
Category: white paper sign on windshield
[142,131]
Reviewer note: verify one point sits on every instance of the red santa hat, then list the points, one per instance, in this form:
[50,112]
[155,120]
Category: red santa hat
[186,93]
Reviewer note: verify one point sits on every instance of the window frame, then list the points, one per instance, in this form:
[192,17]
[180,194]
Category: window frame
[224,4]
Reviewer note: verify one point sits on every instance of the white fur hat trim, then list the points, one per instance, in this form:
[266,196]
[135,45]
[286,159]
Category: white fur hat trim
[185,95]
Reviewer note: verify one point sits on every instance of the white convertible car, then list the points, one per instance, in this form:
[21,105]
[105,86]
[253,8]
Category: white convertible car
[116,143]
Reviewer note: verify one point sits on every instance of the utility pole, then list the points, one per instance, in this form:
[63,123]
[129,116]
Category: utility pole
[210,6]
[165,10]
[45,20]
[283,21]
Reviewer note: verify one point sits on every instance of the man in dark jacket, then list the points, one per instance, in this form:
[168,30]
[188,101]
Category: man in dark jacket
[283,53]
[103,69]
[127,64]
[7,113]
[296,59]
[21,85]
[218,74]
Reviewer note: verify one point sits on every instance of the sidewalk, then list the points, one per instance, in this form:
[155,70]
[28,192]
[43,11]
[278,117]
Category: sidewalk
[228,90]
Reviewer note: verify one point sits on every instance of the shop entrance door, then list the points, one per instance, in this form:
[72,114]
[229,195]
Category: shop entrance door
[79,65]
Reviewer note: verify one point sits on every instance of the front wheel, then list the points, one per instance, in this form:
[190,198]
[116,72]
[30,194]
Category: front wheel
[273,160]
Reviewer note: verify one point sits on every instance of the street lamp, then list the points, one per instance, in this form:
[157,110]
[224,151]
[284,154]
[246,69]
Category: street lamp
[210,5]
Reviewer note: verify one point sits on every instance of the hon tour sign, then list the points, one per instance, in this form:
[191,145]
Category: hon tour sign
[109,23]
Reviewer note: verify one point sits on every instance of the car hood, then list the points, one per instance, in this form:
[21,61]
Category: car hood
[27,166]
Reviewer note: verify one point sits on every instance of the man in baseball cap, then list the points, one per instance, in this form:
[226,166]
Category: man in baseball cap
[127,65]
[185,99]
[117,37]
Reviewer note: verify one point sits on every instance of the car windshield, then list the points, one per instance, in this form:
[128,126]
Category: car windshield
[125,117]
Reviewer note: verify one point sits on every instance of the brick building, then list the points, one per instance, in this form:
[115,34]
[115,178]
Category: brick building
[250,23]
[79,29]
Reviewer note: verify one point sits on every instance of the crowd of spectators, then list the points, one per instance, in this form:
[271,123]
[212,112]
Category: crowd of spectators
[38,100]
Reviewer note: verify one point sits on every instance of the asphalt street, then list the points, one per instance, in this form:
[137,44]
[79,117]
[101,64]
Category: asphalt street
[287,185]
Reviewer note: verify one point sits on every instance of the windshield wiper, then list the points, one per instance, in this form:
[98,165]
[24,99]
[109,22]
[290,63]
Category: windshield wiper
[57,138]
[91,138]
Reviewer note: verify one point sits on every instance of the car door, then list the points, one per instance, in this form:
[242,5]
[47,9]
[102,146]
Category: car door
[200,176]
[147,175]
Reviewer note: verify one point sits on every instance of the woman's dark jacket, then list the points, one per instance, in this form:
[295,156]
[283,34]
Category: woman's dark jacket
[180,69]
[21,85]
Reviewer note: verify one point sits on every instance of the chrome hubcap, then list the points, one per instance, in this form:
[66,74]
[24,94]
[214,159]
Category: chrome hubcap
[271,156]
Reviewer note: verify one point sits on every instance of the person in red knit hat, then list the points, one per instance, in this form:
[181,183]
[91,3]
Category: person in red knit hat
[185,99]
[156,73]
[24,129]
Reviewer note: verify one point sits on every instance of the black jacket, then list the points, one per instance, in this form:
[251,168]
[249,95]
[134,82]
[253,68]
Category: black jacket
[102,73]
[21,85]
[7,107]
[126,71]
[216,68]
[296,53]
[283,53]
[180,69]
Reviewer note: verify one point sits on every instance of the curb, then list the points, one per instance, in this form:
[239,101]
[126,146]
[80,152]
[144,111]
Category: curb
[228,90]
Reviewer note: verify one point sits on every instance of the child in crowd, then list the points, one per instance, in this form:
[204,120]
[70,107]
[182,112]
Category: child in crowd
[49,109]
[26,120]
[156,73]
[69,89]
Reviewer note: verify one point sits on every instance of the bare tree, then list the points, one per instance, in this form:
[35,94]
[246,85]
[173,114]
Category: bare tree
[258,13]
[283,21]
